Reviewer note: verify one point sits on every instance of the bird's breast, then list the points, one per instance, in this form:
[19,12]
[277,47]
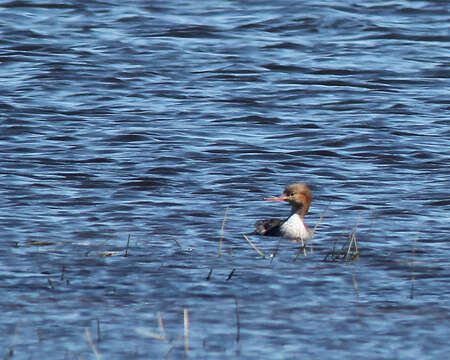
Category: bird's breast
[295,228]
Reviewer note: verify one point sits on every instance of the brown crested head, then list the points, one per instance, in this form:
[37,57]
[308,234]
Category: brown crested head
[298,195]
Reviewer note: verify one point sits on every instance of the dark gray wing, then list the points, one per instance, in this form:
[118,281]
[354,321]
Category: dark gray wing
[270,227]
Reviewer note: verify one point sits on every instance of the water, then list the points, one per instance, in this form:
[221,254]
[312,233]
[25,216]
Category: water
[149,119]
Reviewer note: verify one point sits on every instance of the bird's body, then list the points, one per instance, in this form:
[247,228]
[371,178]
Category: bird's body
[299,196]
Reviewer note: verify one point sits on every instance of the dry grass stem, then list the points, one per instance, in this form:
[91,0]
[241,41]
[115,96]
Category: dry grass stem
[222,231]
[303,246]
[99,338]
[209,274]
[301,249]
[238,322]
[128,245]
[160,336]
[91,343]
[175,343]
[109,253]
[355,285]
[95,247]
[42,243]
[231,274]
[353,243]
[313,232]
[10,352]
[275,252]
[178,244]
[186,331]
[413,277]
[350,246]
[254,246]
[161,325]
[63,270]
[320,219]
[145,332]
[349,250]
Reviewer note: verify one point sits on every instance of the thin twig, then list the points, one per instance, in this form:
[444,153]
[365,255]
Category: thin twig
[209,274]
[222,230]
[254,246]
[150,334]
[175,343]
[230,274]
[413,277]
[303,246]
[95,247]
[128,244]
[10,353]
[179,245]
[272,255]
[320,219]
[186,331]
[313,232]
[91,343]
[98,331]
[161,325]
[238,322]
[352,238]
[356,246]
[332,253]
[372,220]
[355,285]
[300,250]
[160,336]
[357,224]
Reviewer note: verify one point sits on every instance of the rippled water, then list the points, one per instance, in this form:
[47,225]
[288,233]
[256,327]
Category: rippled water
[149,119]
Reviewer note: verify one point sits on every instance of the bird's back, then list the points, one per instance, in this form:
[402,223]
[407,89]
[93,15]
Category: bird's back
[270,227]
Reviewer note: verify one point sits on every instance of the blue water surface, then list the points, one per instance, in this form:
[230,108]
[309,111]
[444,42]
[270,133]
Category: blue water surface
[154,129]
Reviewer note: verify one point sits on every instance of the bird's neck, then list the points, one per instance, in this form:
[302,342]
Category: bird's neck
[299,210]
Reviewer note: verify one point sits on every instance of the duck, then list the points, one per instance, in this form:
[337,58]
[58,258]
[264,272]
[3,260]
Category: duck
[299,197]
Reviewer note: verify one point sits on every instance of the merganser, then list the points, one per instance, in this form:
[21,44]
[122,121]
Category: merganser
[299,197]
